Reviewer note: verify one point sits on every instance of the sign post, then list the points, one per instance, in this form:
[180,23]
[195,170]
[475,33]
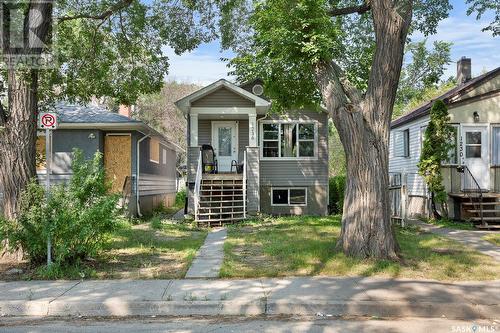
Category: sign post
[48,121]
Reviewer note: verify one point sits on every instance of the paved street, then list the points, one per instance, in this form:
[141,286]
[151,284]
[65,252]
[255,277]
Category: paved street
[252,325]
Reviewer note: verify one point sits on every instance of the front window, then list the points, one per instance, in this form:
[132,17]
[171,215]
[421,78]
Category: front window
[496,146]
[288,140]
[289,196]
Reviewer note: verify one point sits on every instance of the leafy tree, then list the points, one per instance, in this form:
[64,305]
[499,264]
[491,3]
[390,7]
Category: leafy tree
[482,6]
[348,57]
[437,144]
[423,72]
[159,111]
[103,48]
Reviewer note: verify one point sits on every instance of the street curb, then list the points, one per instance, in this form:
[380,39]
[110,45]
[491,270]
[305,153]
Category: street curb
[124,308]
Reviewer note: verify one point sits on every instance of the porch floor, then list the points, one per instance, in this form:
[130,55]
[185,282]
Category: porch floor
[222,176]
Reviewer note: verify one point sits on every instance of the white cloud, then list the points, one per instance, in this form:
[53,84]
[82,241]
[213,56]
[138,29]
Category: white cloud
[199,66]
[468,40]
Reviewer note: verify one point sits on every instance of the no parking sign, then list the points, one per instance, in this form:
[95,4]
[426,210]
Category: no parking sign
[47,120]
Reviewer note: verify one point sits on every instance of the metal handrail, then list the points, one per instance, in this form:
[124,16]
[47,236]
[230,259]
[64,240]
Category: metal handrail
[464,169]
[197,185]
[245,184]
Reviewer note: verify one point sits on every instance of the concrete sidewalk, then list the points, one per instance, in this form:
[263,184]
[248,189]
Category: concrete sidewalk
[470,238]
[355,296]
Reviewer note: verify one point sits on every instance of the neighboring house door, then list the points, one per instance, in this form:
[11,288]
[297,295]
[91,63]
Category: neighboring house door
[476,155]
[225,143]
[117,159]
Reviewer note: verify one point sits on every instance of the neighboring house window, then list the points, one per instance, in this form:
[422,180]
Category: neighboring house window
[402,143]
[289,140]
[496,146]
[154,150]
[289,196]
[164,154]
[454,153]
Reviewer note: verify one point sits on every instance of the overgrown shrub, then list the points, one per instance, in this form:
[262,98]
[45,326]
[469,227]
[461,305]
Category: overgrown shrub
[180,198]
[336,194]
[78,215]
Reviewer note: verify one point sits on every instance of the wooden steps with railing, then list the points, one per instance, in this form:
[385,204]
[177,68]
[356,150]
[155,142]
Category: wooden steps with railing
[483,210]
[220,198]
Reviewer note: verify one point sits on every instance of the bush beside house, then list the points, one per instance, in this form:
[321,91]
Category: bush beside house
[336,194]
[78,216]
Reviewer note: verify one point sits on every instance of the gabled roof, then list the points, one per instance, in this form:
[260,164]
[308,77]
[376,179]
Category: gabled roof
[76,116]
[447,97]
[185,103]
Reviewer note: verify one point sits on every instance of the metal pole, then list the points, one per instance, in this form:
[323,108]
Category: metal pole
[48,158]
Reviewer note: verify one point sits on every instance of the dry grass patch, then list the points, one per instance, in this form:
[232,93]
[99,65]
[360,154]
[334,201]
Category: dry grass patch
[291,246]
[493,238]
[133,252]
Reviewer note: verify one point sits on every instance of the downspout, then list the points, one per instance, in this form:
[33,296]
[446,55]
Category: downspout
[139,172]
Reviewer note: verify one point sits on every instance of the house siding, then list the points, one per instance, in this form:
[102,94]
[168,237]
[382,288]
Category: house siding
[222,98]
[312,174]
[408,165]
[205,133]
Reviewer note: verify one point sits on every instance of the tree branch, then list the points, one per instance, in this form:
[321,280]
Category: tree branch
[350,10]
[102,16]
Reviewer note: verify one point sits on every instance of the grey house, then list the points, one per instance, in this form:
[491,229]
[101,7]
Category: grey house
[283,158]
[139,161]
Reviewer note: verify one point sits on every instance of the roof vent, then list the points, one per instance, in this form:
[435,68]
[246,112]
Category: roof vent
[258,90]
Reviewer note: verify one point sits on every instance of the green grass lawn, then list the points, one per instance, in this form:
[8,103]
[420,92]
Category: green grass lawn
[156,248]
[450,224]
[493,238]
[294,246]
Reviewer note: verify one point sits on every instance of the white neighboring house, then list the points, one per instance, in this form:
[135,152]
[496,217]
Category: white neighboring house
[472,174]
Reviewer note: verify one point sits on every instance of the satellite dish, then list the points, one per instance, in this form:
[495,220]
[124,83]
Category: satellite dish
[258,90]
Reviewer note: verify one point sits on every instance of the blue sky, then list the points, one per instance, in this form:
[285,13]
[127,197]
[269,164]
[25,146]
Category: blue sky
[204,66]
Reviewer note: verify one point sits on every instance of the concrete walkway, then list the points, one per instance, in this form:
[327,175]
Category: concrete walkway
[179,216]
[209,258]
[467,237]
[308,296]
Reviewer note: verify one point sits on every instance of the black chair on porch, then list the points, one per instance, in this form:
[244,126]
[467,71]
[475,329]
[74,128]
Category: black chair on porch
[208,160]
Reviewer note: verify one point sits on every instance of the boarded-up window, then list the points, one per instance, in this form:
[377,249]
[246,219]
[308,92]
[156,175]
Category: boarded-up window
[154,150]
[40,153]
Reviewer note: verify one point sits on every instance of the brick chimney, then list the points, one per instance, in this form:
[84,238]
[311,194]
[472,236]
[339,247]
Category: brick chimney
[125,110]
[464,70]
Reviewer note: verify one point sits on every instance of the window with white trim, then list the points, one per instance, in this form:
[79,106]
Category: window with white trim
[289,140]
[288,196]
[496,145]
[402,143]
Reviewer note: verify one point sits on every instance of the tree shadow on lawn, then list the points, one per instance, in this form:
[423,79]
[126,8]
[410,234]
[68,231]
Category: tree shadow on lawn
[306,246]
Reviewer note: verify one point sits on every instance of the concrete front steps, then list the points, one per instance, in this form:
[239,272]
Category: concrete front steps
[221,200]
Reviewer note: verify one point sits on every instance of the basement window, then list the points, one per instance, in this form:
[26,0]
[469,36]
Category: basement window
[289,197]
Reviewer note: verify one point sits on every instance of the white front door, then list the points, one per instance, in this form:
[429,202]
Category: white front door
[225,143]
[476,156]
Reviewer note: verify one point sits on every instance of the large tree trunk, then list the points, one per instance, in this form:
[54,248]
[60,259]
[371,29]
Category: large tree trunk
[17,139]
[363,123]
[18,136]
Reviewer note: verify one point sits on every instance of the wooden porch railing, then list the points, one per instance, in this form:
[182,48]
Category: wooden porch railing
[245,184]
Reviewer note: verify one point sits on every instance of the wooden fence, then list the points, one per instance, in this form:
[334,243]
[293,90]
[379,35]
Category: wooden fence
[398,198]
